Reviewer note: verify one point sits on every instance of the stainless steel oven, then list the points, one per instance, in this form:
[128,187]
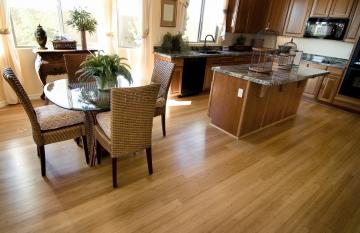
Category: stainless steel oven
[326,28]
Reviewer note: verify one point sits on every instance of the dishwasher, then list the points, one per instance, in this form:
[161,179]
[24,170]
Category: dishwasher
[193,76]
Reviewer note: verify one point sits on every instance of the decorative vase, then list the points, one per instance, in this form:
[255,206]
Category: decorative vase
[83,40]
[41,37]
[105,84]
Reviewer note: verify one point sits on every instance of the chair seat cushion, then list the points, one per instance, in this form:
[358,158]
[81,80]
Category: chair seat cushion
[160,102]
[104,121]
[53,117]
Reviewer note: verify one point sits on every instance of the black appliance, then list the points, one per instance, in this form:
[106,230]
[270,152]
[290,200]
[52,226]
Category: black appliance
[326,28]
[193,76]
[351,83]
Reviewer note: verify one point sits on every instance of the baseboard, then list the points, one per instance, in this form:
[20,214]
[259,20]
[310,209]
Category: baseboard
[35,96]
[2,103]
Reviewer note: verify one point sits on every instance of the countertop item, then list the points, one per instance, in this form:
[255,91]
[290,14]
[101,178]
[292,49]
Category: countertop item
[193,54]
[278,77]
[324,60]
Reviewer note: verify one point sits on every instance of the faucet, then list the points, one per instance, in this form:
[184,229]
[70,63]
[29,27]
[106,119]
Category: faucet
[205,48]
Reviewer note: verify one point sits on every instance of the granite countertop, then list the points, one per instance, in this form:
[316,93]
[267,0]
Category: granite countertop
[192,54]
[325,60]
[278,77]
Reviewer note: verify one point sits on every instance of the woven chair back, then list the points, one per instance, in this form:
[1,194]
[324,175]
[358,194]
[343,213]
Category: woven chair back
[132,118]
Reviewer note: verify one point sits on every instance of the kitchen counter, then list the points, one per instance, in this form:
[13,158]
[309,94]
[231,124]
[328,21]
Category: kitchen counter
[325,60]
[243,102]
[278,77]
[193,54]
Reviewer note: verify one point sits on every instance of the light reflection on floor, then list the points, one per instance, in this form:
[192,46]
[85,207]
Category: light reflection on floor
[173,102]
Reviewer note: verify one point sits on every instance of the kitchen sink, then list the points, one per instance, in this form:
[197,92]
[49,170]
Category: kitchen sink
[210,52]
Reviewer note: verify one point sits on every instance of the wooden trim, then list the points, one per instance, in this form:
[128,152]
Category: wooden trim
[267,126]
[164,23]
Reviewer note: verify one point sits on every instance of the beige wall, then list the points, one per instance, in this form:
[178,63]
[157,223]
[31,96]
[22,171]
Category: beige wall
[330,48]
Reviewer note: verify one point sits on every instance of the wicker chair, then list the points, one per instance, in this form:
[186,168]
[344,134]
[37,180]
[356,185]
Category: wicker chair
[49,123]
[72,64]
[128,127]
[162,74]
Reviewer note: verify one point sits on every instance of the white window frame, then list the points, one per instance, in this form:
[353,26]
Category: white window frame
[199,40]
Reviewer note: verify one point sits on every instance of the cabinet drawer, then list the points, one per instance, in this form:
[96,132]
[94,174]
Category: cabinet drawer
[335,71]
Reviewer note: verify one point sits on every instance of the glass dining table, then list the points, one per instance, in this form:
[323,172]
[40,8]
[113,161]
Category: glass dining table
[80,97]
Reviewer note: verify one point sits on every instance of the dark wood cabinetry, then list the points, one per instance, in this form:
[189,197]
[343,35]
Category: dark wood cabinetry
[298,12]
[248,15]
[276,15]
[354,26]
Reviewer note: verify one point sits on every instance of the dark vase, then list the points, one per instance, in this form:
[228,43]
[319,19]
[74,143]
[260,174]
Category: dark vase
[41,37]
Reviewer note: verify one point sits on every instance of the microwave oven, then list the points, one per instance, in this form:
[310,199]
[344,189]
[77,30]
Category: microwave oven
[326,28]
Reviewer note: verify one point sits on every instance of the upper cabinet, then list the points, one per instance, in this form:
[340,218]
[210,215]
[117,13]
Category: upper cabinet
[245,18]
[332,8]
[276,15]
[321,8]
[341,8]
[298,13]
[354,25]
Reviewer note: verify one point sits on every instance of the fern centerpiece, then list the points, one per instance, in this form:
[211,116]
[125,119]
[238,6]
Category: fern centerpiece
[105,69]
[83,21]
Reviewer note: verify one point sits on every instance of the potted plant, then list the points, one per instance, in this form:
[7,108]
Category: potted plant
[83,21]
[105,69]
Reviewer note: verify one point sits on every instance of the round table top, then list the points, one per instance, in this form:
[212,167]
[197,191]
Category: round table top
[77,96]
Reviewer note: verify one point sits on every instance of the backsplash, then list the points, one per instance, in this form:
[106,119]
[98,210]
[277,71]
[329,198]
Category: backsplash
[322,47]
[330,48]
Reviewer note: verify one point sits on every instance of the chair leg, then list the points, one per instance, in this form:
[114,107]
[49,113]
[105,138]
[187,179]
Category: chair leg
[86,149]
[41,150]
[98,152]
[163,124]
[149,160]
[114,172]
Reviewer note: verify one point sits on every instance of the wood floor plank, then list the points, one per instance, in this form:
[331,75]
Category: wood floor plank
[299,176]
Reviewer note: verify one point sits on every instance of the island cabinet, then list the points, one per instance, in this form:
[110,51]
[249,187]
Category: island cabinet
[242,102]
[353,30]
[297,15]
[223,61]
[332,8]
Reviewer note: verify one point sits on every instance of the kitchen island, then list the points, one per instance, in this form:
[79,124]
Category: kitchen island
[243,102]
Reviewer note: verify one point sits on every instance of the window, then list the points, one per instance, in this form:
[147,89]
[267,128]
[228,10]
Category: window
[25,15]
[202,19]
[129,23]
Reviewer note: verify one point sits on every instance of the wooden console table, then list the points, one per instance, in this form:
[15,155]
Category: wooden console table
[51,62]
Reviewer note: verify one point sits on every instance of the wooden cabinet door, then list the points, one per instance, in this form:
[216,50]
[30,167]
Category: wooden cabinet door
[297,16]
[249,15]
[276,15]
[230,14]
[321,8]
[312,87]
[328,88]
[354,25]
[208,77]
[341,8]
[175,86]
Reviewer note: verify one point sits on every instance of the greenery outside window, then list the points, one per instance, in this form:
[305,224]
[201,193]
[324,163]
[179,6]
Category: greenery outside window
[202,20]
[25,15]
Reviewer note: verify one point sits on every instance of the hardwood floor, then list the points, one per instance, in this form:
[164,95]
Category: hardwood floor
[300,176]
